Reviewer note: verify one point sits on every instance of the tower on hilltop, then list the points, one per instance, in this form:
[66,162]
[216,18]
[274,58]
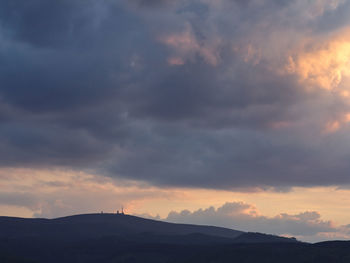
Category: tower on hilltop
[121,212]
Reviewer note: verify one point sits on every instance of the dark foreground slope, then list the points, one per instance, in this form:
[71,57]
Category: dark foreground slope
[100,225]
[121,238]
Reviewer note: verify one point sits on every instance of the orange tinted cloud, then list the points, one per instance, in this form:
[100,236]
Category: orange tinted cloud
[335,125]
[323,65]
[332,127]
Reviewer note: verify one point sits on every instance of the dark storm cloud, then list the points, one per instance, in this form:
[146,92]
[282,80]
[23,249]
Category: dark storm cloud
[232,159]
[185,93]
[151,3]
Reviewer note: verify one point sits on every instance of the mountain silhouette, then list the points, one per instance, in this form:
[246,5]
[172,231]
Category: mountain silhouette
[99,225]
[125,238]
[127,227]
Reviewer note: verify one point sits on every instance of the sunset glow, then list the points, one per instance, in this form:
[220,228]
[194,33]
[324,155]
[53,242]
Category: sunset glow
[222,112]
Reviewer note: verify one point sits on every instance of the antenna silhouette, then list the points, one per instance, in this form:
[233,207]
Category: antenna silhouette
[121,212]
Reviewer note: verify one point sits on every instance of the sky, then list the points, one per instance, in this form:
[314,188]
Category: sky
[233,113]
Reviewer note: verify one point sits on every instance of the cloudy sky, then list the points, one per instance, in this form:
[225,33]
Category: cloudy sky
[226,112]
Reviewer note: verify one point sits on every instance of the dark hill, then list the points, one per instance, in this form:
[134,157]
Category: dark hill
[123,238]
[99,225]
[262,238]
[126,227]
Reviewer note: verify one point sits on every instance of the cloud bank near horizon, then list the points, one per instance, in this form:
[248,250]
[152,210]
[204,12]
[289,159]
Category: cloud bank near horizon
[52,194]
[242,216]
[190,93]
[306,226]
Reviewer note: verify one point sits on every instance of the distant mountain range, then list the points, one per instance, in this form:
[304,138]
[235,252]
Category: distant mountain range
[124,238]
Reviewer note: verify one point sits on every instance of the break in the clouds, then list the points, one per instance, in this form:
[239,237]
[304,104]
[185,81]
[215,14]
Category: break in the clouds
[195,93]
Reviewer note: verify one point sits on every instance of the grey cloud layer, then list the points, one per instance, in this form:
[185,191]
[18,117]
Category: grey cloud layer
[90,85]
[243,216]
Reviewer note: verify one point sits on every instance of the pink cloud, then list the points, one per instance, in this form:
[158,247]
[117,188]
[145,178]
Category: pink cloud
[186,46]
